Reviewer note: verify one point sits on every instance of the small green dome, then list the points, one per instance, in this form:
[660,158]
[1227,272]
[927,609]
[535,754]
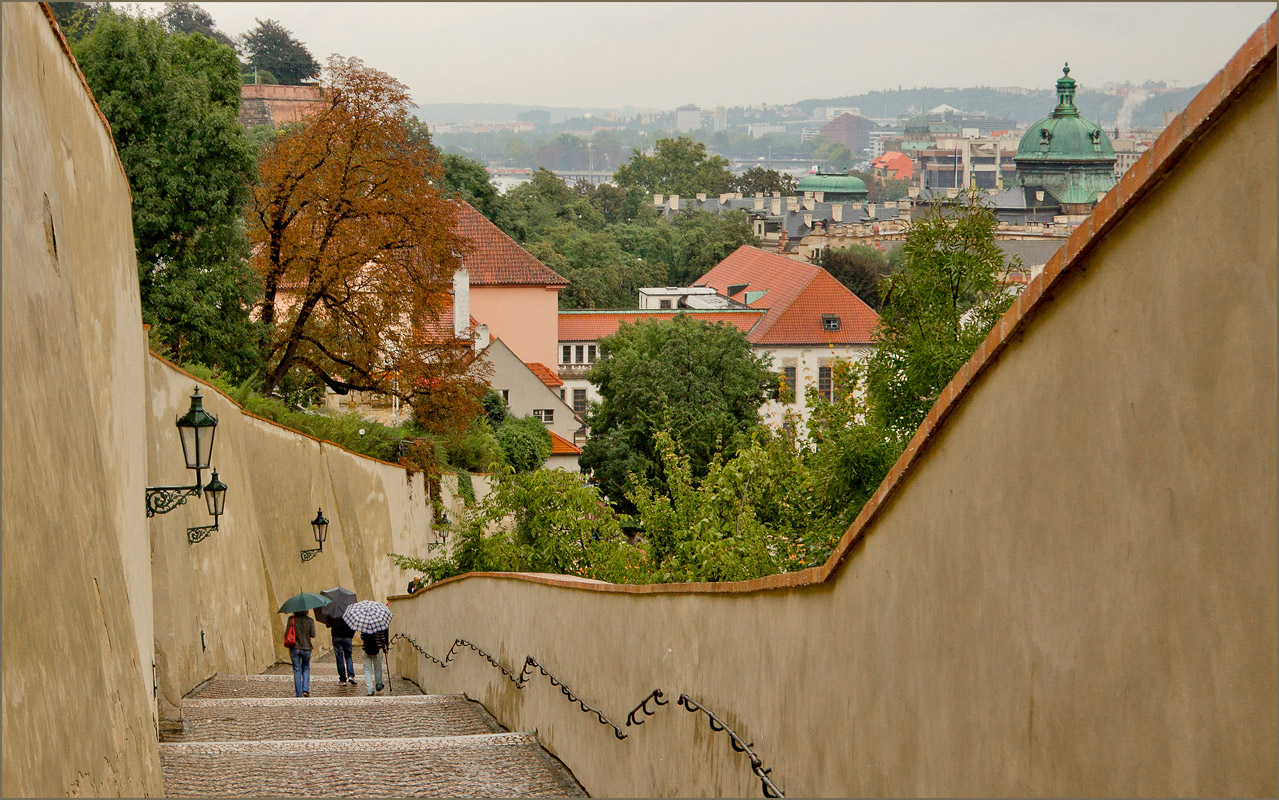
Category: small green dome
[917,124]
[832,184]
[1064,135]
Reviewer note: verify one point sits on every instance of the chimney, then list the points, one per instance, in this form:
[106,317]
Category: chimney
[657,199]
[737,195]
[782,241]
[837,212]
[461,302]
[809,203]
[818,196]
[674,202]
[759,201]
[481,337]
[870,210]
[701,196]
[724,198]
[808,220]
[792,203]
[777,206]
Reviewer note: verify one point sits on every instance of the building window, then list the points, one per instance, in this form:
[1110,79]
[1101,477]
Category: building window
[830,322]
[579,401]
[824,382]
[544,415]
[566,354]
[664,304]
[590,354]
[581,359]
[506,396]
[790,394]
[561,392]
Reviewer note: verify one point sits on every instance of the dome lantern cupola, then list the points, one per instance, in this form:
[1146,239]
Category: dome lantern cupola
[1065,95]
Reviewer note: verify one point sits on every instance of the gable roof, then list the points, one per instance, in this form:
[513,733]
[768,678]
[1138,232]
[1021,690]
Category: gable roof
[796,295]
[497,260]
[561,446]
[589,325]
[543,373]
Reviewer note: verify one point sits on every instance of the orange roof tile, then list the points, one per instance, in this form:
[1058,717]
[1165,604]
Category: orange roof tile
[497,260]
[561,446]
[544,373]
[796,296]
[591,325]
[898,163]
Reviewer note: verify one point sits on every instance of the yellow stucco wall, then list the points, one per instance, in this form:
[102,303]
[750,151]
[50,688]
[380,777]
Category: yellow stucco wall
[1073,593]
[229,585]
[77,627]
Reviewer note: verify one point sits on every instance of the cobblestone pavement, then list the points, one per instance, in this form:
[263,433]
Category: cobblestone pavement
[232,686]
[248,736]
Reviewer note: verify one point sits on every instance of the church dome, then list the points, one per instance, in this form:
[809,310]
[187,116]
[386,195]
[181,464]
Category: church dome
[832,184]
[917,124]
[1064,135]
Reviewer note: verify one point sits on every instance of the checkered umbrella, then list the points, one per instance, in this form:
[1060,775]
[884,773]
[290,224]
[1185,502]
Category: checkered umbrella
[368,616]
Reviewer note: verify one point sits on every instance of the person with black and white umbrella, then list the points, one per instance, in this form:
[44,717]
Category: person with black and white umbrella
[373,621]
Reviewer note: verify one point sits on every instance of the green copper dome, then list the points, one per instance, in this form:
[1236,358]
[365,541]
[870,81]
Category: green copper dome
[917,124]
[1065,135]
[1066,154]
[832,184]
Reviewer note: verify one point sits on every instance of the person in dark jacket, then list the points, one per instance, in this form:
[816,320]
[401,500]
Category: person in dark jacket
[374,645]
[300,653]
[342,635]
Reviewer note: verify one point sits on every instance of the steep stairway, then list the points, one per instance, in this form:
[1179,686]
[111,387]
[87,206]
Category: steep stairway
[248,736]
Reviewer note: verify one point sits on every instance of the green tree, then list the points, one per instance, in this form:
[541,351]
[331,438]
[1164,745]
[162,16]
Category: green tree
[937,310]
[418,133]
[469,180]
[525,442]
[600,273]
[860,268]
[190,18]
[758,179]
[677,166]
[77,19]
[701,382]
[835,154]
[538,203]
[271,46]
[173,101]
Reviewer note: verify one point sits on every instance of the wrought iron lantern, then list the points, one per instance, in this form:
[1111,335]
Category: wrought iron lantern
[320,530]
[196,428]
[215,498]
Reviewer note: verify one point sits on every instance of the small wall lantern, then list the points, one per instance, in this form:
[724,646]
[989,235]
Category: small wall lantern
[215,498]
[320,530]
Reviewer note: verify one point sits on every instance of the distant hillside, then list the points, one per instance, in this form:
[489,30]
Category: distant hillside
[497,112]
[1024,108]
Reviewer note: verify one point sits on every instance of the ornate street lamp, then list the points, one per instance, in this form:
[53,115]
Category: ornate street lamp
[195,430]
[215,498]
[320,530]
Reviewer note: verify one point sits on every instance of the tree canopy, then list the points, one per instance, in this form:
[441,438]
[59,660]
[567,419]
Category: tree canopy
[677,166]
[190,18]
[703,383]
[356,248]
[859,268]
[936,310]
[172,101]
[758,179]
[271,47]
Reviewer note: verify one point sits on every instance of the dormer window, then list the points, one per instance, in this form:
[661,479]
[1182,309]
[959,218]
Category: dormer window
[830,322]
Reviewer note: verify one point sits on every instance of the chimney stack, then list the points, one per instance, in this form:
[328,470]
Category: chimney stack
[759,201]
[657,199]
[461,302]
[837,212]
[777,206]
[481,337]
[701,196]
[674,202]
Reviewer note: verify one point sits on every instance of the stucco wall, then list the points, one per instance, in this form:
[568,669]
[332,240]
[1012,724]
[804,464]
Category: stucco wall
[1067,586]
[229,585]
[526,391]
[77,593]
[525,317]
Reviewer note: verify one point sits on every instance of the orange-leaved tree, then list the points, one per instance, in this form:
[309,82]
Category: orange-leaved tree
[357,249]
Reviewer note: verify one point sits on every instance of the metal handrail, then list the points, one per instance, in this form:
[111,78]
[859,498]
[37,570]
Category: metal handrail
[740,745]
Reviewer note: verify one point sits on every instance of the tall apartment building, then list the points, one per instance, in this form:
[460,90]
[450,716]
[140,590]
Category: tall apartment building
[688,118]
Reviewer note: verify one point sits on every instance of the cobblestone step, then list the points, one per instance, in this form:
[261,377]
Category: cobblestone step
[232,686]
[488,765]
[324,664]
[259,719]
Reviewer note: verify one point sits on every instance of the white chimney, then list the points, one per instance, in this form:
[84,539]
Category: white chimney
[809,203]
[777,206]
[657,199]
[870,210]
[808,220]
[725,197]
[837,212]
[674,202]
[481,337]
[759,201]
[818,196]
[701,196]
[792,203]
[461,302]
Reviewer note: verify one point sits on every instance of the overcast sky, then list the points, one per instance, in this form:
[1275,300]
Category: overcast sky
[661,55]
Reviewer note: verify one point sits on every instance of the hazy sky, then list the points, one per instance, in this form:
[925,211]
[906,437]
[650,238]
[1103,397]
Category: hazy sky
[661,55]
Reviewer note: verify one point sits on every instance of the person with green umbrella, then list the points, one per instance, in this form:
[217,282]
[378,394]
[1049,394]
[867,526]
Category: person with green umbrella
[297,637]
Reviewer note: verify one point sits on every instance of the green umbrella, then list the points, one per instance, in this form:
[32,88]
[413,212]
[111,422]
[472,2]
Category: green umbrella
[304,602]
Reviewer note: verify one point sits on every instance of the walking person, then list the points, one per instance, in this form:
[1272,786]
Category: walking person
[342,636]
[374,645]
[300,652]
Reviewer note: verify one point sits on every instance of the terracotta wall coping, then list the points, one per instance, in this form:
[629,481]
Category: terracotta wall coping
[1207,107]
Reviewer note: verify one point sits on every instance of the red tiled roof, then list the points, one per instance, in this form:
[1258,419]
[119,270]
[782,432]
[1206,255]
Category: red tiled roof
[497,260]
[561,446]
[590,325]
[544,373]
[898,163]
[796,296]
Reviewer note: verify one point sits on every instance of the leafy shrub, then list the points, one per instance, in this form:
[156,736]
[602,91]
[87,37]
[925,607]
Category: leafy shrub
[525,443]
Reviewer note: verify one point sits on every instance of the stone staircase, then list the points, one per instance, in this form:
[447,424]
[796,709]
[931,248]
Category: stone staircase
[248,736]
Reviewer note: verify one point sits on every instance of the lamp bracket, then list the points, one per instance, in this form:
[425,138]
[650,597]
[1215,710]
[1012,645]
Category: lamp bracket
[198,534]
[307,555]
[163,499]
